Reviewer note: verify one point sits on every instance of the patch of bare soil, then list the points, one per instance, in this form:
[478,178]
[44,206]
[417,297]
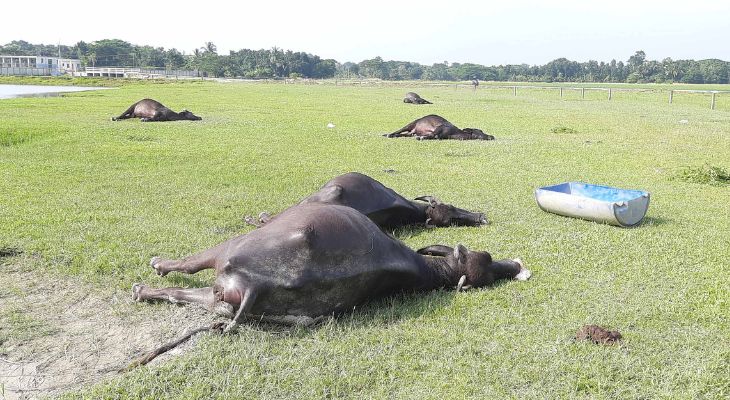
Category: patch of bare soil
[598,335]
[57,334]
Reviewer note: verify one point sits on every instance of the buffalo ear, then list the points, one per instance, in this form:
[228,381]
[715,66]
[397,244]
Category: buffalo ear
[436,250]
[460,252]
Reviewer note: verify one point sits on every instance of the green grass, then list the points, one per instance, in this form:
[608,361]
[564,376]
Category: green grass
[95,199]
[707,174]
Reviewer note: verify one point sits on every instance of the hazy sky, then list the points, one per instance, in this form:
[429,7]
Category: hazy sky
[506,32]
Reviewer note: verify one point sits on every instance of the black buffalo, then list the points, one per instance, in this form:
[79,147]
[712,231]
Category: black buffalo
[151,111]
[437,127]
[315,260]
[414,98]
[384,206]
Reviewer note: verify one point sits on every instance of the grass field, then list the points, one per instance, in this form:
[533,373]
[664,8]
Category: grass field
[89,200]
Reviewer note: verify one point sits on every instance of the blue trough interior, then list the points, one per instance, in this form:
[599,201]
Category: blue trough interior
[597,192]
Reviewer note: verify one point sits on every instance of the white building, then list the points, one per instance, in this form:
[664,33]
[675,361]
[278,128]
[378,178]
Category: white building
[69,65]
[37,65]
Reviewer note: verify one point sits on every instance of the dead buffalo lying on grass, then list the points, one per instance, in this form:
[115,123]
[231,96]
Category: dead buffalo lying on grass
[384,206]
[316,260]
[436,127]
[153,111]
[414,98]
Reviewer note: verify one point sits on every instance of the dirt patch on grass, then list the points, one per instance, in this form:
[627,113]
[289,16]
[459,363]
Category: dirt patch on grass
[598,335]
[563,129]
[142,138]
[58,334]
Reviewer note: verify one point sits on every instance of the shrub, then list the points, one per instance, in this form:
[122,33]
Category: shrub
[706,174]
[563,129]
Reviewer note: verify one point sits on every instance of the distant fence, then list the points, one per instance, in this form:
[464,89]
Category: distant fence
[28,71]
[170,72]
[126,72]
[713,92]
[559,89]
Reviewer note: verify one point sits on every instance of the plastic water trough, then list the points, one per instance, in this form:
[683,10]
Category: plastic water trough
[604,204]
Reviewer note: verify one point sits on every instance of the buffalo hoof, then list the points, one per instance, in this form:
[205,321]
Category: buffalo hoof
[251,221]
[524,273]
[156,264]
[137,291]
[114,118]
[144,119]
[230,327]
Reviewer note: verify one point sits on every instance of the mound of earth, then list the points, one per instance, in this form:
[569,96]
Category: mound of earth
[598,335]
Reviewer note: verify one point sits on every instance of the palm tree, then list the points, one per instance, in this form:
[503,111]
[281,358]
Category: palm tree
[210,48]
[276,61]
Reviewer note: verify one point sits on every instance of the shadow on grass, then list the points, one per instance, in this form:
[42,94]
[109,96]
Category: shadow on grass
[654,221]
[6,252]
[377,313]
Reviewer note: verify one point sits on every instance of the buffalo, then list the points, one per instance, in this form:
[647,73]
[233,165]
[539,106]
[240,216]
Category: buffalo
[315,260]
[153,111]
[414,98]
[437,127]
[384,206]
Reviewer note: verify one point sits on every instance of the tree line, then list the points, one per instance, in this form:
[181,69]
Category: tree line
[278,63]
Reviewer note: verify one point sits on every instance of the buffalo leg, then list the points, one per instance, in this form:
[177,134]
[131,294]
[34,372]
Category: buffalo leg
[396,134]
[127,114]
[123,116]
[439,133]
[399,133]
[442,132]
[203,296]
[158,116]
[189,265]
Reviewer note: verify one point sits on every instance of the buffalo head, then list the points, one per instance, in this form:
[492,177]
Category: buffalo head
[185,114]
[440,214]
[476,268]
[477,134]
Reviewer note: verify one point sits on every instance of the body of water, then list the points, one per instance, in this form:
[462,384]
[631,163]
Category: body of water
[12,91]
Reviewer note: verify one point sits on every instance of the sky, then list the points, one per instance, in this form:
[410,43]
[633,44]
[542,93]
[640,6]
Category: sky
[483,32]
